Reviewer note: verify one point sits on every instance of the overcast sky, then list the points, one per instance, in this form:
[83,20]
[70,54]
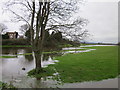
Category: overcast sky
[102,16]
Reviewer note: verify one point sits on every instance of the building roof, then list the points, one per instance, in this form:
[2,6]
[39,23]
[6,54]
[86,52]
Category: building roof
[11,32]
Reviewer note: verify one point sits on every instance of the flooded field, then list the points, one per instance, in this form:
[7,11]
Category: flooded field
[14,71]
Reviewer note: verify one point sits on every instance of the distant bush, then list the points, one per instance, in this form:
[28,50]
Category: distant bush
[54,40]
[5,36]
[15,42]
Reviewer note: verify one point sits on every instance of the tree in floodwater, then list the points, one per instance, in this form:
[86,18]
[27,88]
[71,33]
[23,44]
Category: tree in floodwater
[46,15]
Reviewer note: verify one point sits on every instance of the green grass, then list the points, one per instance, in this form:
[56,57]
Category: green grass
[38,73]
[89,66]
[8,56]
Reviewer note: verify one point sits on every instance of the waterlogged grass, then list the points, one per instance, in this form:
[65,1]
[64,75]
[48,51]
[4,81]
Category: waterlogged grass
[38,73]
[96,65]
[8,56]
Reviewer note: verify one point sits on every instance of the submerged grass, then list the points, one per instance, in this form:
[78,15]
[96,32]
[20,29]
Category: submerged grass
[89,66]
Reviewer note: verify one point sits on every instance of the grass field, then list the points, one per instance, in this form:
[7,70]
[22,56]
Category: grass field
[89,66]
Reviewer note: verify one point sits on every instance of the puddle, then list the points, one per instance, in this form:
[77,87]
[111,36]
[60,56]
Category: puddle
[48,62]
[79,51]
[71,48]
[96,45]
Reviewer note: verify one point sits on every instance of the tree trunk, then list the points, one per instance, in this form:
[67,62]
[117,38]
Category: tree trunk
[38,59]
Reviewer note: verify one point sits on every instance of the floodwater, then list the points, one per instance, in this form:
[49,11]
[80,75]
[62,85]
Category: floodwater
[96,45]
[12,72]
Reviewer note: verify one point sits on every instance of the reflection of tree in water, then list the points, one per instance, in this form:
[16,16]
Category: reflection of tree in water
[12,51]
[28,57]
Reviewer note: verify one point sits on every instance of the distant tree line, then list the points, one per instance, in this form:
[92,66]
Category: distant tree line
[5,36]
[53,40]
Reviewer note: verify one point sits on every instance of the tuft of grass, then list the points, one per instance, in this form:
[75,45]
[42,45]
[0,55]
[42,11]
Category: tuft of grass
[44,72]
[6,86]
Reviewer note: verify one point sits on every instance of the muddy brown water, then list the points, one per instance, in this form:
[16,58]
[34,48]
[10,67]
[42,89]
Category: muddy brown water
[12,72]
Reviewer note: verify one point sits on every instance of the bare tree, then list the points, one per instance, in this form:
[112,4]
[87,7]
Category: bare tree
[3,27]
[24,28]
[41,15]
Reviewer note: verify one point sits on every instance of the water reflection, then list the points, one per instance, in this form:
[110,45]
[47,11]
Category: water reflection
[12,68]
[8,51]
[13,72]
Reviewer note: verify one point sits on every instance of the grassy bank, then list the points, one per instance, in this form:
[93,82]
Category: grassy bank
[95,65]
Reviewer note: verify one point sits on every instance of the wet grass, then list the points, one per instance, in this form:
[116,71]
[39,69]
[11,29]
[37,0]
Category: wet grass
[95,65]
[89,66]
[8,56]
[44,72]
